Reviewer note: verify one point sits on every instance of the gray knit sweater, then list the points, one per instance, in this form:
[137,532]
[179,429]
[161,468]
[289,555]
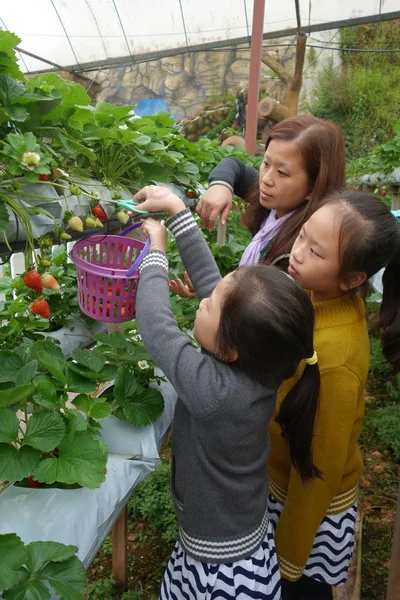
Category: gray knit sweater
[220,428]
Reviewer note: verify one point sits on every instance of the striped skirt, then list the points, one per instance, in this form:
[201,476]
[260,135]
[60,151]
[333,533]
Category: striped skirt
[330,557]
[256,577]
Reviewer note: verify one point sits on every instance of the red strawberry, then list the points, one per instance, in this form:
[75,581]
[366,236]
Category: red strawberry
[50,282]
[41,307]
[191,194]
[383,193]
[33,280]
[43,177]
[32,483]
[98,211]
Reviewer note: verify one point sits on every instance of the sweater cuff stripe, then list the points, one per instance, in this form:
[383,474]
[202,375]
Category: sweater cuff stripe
[289,570]
[339,503]
[154,259]
[181,223]
[220,182]
[221,550]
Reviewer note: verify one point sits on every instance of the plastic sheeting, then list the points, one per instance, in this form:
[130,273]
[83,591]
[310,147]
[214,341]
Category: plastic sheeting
[72,32]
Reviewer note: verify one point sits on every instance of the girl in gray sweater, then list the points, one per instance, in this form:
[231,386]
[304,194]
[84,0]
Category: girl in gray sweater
[253,326]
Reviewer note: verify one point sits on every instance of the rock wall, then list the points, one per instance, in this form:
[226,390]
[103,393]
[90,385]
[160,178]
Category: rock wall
[187,83]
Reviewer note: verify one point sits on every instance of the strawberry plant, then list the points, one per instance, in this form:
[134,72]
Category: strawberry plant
[26,569]
[51,443]
[131,398]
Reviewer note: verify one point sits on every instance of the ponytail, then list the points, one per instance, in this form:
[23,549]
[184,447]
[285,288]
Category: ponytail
[390,312]
[297,419]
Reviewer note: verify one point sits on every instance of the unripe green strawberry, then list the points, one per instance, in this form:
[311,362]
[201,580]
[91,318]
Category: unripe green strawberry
[76,224]
[65,236]
[45,262]
[50,282]
[89,222]
[74,190]
[98,222]
[122,217]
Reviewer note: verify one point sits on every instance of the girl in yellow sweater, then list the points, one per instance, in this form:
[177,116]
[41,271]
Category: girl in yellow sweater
[346,241]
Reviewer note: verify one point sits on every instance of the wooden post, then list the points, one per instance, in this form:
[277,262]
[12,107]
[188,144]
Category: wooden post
[393,588]
[120,550]
[254,77]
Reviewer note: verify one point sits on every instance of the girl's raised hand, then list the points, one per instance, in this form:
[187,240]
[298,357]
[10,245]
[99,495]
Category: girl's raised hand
[157,233]
[154,198]
[184,291]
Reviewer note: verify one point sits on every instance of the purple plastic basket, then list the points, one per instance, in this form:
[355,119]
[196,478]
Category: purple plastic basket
[106,283]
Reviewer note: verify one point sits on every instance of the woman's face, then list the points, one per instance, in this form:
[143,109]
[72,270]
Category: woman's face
[314,260]
[284,183]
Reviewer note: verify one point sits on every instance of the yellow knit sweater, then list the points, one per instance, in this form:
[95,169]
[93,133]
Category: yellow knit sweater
[342,345]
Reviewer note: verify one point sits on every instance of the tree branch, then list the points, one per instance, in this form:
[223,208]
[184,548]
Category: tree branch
[276,66]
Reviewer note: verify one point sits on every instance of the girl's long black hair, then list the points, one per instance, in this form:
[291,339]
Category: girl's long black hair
[269,320]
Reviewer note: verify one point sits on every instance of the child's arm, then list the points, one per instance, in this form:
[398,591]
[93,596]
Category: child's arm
[195,376]
[196,255]
[306,504]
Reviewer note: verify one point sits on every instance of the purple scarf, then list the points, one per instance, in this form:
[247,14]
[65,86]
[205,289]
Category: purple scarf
[269,228]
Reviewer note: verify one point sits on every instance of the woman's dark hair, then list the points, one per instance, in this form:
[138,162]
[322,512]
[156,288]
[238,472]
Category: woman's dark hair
[269,320]
[369,240]
[321,145]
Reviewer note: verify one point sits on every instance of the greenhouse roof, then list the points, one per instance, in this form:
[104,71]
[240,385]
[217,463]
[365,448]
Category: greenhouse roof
[83,34]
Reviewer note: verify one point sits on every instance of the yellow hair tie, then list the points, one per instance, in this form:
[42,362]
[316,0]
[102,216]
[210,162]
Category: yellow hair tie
[312,360]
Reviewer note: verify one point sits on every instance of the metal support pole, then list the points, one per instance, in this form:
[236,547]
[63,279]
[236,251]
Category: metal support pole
[254,77]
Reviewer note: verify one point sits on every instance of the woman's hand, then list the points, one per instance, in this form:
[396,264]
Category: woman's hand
[157,233]
[154,198]
[216,201]
[184,291]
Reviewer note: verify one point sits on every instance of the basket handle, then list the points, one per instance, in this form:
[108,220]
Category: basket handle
[143,253]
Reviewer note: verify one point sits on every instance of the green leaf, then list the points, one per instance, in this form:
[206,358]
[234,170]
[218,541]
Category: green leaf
[27,372]
[8,426]
[38,554]
[107,373]
[54,365]
[16,465]
[68,579]
[44,431]
[45,394]
[115,339]
[142,140]
[12,556]
[144,408]
[16,113]
[125,385]
[89,358]
[82,459]
[16,395]
[76,420]
[28,589]
[93,407]
[77,383]
[46,346]
[5,282]
[9,89]
[10,365]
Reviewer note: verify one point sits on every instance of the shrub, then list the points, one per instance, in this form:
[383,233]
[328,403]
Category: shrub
[387,422]
[152,501]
